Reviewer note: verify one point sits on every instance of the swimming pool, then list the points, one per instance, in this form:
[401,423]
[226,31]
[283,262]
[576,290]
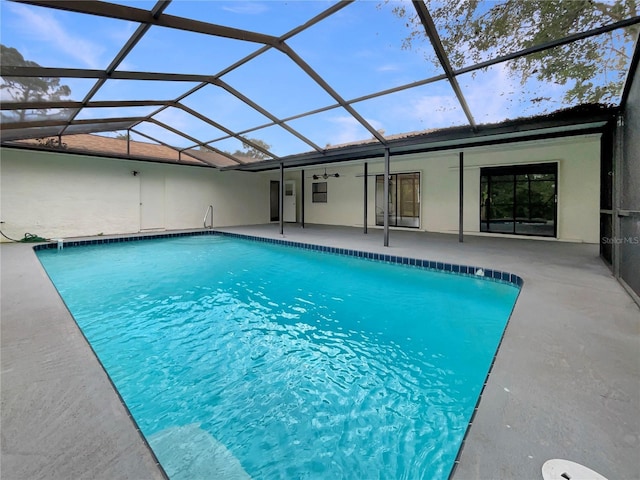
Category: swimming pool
[240,359]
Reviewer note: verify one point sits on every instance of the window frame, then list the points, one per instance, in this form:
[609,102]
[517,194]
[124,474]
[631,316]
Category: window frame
[416,177]
[319,192]
[514,171]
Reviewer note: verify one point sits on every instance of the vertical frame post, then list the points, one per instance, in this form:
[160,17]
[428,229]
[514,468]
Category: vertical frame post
[387,177]
[366,176]
[302,199]
[281,202]
[461,198]
[617,194]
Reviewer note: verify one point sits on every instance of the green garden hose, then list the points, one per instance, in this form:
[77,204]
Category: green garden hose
[28,238]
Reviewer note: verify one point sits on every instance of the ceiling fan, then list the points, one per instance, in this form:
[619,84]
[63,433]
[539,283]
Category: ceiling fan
[325,175]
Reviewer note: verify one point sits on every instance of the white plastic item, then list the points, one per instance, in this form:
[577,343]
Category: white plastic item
[558,469]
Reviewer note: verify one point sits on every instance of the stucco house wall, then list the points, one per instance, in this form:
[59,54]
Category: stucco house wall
[578,160]
[53,194]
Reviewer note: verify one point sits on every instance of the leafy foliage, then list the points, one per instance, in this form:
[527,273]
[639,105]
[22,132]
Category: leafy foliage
[249,151]
[52,142]
[253,152]
[472,31]
[32,89]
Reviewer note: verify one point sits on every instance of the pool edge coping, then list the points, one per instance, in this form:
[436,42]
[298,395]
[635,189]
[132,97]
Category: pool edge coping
[472,271]
[434,266]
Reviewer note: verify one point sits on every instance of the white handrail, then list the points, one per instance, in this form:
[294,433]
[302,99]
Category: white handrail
[204,221]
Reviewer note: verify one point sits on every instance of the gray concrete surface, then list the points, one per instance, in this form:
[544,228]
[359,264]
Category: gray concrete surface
[565,384]
[60,417]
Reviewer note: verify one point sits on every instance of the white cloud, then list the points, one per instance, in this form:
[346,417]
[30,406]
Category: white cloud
[435,111]
[388,68]
[492,95]
[120,36]
[348,129]
[44,26]
[177,119]
[250,8]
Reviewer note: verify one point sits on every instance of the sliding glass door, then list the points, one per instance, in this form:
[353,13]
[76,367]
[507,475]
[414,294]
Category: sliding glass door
[519,199]
[404,200]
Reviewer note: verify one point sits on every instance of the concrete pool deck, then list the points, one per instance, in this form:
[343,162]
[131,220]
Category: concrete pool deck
[565,383]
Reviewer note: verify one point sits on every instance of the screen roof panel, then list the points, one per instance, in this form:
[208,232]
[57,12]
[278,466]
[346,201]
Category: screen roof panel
[163,134]
[183,121]
[9,135]
[359,50]
[209,157]
[498,93]
[237,148]
[473,32]
[54,38]
[175,51]
[280,141]
[35,115]
[330,128]
[114,112]
[141,90]
[302,75]
[218,104]
[96,127]
[270,17]
[276,83]
[420,108]
[44,89]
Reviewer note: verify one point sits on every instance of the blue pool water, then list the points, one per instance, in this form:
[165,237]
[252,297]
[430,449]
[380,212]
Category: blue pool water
[241,359]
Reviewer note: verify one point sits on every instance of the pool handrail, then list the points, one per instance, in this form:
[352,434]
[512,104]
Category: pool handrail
[204,220]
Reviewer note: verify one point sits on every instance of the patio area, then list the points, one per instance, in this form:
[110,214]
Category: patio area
[565,382]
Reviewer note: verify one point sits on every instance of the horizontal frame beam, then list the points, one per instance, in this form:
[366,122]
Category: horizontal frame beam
[63,122]
[77,104]
[131,14]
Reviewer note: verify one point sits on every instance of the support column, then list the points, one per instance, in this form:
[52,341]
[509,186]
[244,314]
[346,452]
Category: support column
[461,198]
[302,199]
[617,193]
[387,177]
[366,176]
[281,202]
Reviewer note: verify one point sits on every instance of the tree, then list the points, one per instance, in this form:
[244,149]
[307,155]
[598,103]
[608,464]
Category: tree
[253,152]
[30,89]
[473,30]
[248,151]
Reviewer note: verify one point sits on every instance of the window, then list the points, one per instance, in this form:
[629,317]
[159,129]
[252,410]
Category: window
[519,200]
[404,200]
[319,192]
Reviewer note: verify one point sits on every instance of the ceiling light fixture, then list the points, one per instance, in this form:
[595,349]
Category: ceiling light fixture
[325,175]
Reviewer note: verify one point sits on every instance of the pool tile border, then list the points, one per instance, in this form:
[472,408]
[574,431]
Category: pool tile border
[451,268]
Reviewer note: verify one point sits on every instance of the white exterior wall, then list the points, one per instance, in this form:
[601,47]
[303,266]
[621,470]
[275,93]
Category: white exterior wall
[60,195]
[578,161]
[54,195]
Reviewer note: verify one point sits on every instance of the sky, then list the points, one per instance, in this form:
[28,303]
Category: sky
[358,51]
